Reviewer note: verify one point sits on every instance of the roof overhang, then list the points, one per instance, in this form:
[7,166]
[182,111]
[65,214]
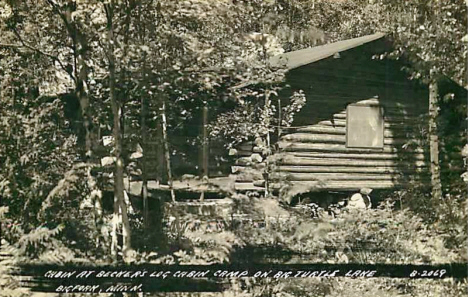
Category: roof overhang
[309,55]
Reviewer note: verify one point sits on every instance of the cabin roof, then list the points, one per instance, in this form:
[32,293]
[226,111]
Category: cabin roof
[309,55]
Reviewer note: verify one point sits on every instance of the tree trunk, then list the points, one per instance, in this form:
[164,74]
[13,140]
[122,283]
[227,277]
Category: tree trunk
[279,118]
[143,115]
[205,142]
[96,198]
[205,148]
[82,94]
[120,206]
[267,121]
[167,153]
[144,176]
[434,140]
[159,152]
[80,72]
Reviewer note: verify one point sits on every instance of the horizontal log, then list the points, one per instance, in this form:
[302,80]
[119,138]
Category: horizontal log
[293,176]
[244,182]
[343,185]
[309,161]
[257,149]
[332,138]
[303,137]
[319,129]
[387,118]
[393,111]
[329,147]
[368,156]
[329,129]
[242,153]
[348,169]
[259,167]
[245,161]
[395,121]
[342,169]
[247,187]
[236,169]
[259,183]
[387,124]
[249,175]
[215,185]
[245,146]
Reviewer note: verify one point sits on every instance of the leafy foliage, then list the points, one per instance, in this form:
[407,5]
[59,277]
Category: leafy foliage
[191,54]
[373,236]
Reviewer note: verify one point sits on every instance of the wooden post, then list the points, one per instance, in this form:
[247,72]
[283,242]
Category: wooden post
[434,139]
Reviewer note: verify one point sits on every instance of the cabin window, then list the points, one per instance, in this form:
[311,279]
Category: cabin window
[364,126]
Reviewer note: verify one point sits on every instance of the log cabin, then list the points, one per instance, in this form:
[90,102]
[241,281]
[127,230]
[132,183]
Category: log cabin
[364,124]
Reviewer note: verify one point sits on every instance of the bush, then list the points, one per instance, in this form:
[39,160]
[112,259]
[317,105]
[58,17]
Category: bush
[447,216]
[371,236]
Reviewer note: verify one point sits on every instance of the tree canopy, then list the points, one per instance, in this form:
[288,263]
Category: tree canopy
[87,84]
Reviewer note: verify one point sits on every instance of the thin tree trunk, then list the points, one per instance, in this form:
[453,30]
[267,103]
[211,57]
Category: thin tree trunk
[119,202]
[205,141]
[144,176]
[143,114]
[267,126]
[115,224]
[167,153]
[118,169]
[159,153]
[279,118]
[82,94]
[434,140]
[96,196]
[125,209]
[205,149]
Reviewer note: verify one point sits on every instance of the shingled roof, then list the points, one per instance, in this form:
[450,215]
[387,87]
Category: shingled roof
[309,55]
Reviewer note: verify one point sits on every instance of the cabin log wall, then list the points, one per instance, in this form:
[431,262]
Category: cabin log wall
[312,154]
[316,158]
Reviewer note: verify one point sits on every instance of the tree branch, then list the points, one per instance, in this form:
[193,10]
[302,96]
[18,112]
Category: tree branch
[26,45]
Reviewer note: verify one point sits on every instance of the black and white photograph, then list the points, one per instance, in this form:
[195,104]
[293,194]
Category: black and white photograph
[252,148]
